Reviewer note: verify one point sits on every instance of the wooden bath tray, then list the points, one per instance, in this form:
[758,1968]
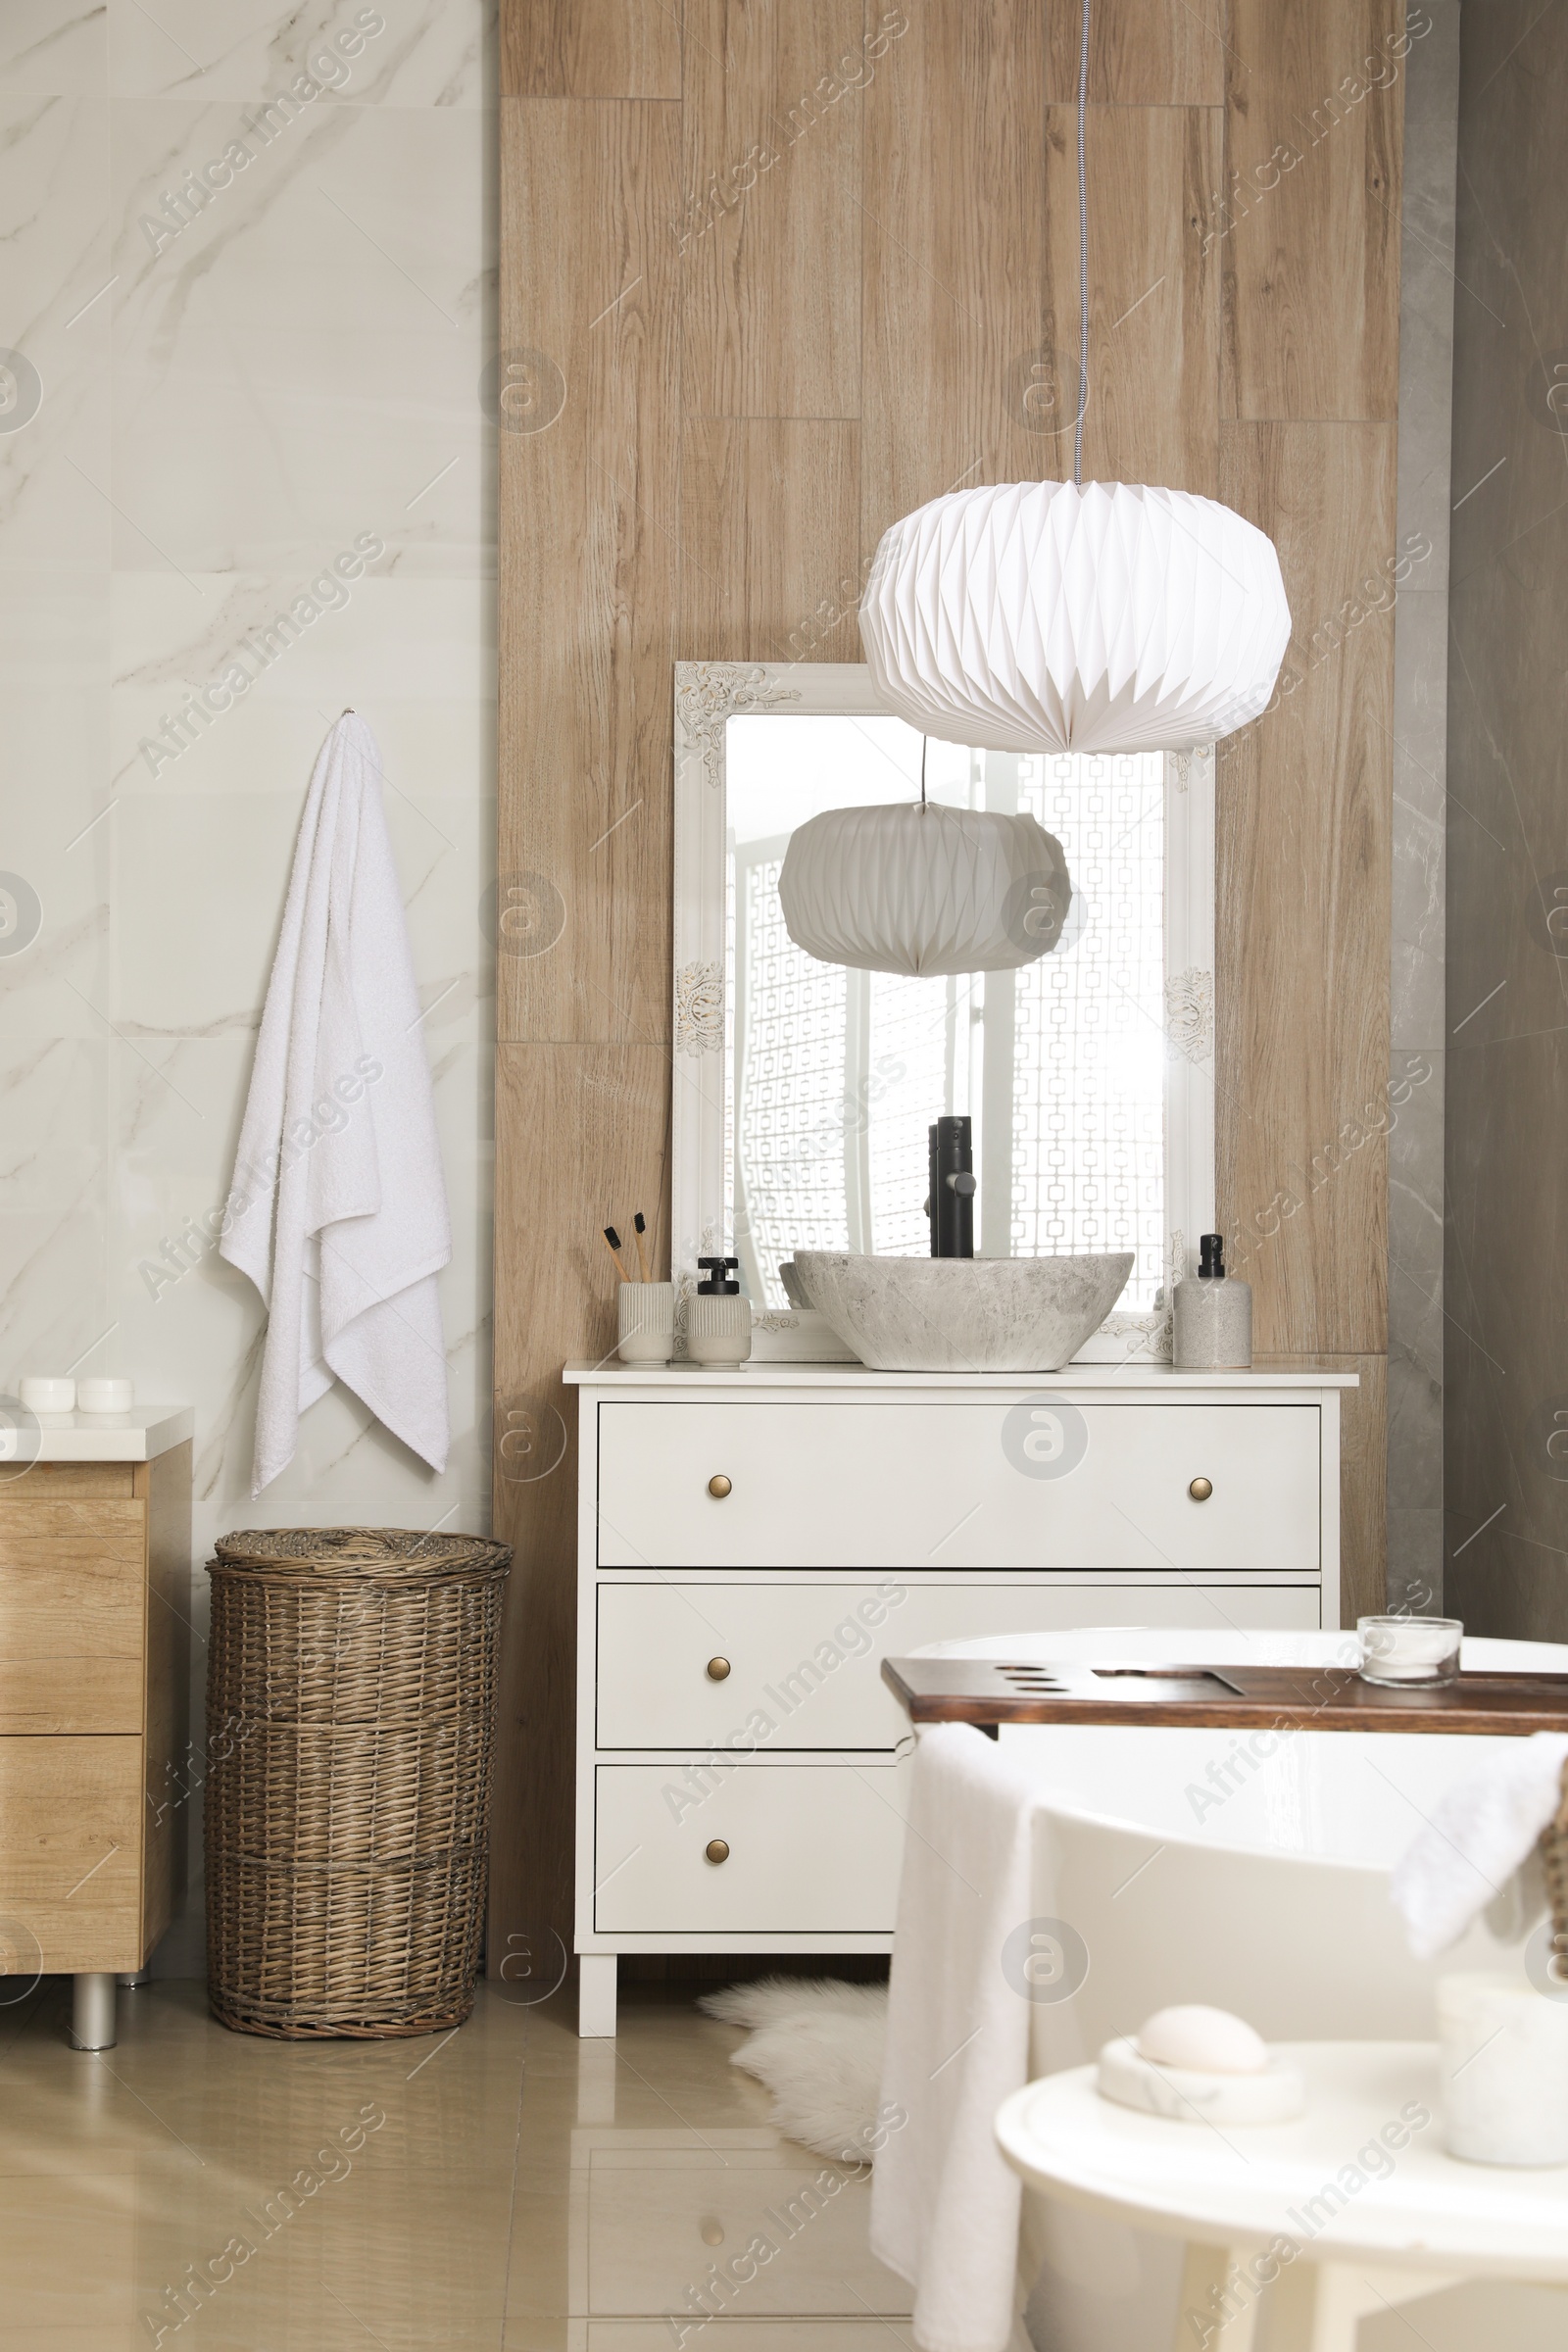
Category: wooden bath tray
[988,1692]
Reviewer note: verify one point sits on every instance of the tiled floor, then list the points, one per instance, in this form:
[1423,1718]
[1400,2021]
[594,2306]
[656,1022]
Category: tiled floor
[509,2186]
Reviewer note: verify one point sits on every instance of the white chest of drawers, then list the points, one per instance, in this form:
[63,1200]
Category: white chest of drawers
[752,1544]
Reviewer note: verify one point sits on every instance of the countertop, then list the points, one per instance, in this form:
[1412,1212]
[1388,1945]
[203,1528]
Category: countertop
[138,1436]
[780,1373]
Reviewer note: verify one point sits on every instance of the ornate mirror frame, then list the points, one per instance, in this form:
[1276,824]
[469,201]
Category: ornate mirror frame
[707,695]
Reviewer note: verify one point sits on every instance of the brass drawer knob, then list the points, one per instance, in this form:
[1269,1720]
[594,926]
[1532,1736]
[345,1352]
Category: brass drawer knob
[719,1486]
[1201,1489]
[717,1850]
[717,1670]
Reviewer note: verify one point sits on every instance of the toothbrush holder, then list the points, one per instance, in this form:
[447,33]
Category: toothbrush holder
[647,1322]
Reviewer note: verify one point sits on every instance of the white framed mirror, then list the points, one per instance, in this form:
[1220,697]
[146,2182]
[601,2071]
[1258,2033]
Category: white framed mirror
[801,1092]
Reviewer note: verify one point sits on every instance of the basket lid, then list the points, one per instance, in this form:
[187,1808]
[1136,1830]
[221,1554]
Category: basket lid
[366,1550]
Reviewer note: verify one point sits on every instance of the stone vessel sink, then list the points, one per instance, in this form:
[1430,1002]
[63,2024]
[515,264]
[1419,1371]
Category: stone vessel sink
[963,1314]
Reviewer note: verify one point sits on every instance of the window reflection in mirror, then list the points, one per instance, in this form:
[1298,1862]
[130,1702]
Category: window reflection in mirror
[832,1077]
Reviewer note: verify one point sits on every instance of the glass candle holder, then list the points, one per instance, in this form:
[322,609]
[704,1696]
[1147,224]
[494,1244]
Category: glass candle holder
[1399,1651]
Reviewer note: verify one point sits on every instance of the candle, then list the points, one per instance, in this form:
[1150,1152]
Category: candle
[1505,2069]
[1409,1650]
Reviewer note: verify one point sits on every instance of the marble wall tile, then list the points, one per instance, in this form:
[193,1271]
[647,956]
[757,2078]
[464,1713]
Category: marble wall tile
[330,314]
[58,829]
[1420,763]
[428,53]
[415,655]
[54,47]
[220,418]
[1418,951]
[55,490]
[1507,1271]
[54,1172]
[1414,1537]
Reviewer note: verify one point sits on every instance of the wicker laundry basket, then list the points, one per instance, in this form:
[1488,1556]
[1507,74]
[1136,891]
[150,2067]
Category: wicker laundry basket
[350,1721]
[1554,1856]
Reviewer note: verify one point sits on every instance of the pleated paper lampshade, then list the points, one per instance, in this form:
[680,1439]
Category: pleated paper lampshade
[922,890]
[1039,616]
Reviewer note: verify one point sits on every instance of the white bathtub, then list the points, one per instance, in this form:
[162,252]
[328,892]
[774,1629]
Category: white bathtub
[1250,1873]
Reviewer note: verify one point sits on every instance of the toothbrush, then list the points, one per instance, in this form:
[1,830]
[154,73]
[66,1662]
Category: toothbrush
[640,1227]
[612,1245]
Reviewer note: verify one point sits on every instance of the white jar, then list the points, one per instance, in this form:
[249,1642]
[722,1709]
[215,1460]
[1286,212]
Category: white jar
[647,1322]
[41,1394]
[1505,2069]
[719,1330]
[103,1396]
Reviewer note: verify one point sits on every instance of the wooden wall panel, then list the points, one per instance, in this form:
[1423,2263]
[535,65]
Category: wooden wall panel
[1363,1474]
[1154,292]
[771,287]
[585,1132]
[759,570]
[763,370]
[1143,53]
[589,529]
[1312,249]
[1304,810]
[955,227]
[590,49]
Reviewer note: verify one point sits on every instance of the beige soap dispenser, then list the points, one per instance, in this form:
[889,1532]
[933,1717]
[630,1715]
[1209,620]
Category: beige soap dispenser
[1211,1315]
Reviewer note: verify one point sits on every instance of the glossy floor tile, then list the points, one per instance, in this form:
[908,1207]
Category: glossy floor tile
[507,2185]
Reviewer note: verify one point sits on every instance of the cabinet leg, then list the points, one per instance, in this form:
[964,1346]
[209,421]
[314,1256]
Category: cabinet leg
[92,2011]
[1317,2305]
[1218,2308]
[596,1994]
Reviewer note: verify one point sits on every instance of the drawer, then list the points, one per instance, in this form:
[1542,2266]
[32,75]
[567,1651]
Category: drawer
[805,1659]
[73,1612]
[948,1486]
[48,1482]
[70,1824]
[813,1849]
[659,2217]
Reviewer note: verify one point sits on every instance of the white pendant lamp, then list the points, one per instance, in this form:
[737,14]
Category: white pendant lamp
[1059,617]
[1041,616]
[922,890]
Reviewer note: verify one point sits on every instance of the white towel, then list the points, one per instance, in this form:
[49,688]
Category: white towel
[338,1212]
[944,2202]
[1482,1831]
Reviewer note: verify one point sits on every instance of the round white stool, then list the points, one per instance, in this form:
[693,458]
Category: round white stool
[1352,2208]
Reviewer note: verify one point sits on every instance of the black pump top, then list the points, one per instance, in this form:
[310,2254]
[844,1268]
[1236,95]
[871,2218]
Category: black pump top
[717,1285]
[1211,1258]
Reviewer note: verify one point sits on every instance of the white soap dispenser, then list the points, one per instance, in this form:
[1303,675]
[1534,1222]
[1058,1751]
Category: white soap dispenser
[1211,1315]
[718,1322]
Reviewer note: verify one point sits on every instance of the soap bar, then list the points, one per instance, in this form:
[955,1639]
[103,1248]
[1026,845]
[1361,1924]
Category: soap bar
[1211,2041]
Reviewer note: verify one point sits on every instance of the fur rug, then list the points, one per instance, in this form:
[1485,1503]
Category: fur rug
[816,2044]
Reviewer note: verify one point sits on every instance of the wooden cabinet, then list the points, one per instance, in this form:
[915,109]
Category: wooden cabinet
[752,1544]
[94,1675]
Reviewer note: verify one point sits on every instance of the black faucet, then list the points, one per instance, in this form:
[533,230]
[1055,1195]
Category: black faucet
[950,1203]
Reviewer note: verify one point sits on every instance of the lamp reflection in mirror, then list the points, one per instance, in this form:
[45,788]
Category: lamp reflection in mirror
[1041,616]
[923,890]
